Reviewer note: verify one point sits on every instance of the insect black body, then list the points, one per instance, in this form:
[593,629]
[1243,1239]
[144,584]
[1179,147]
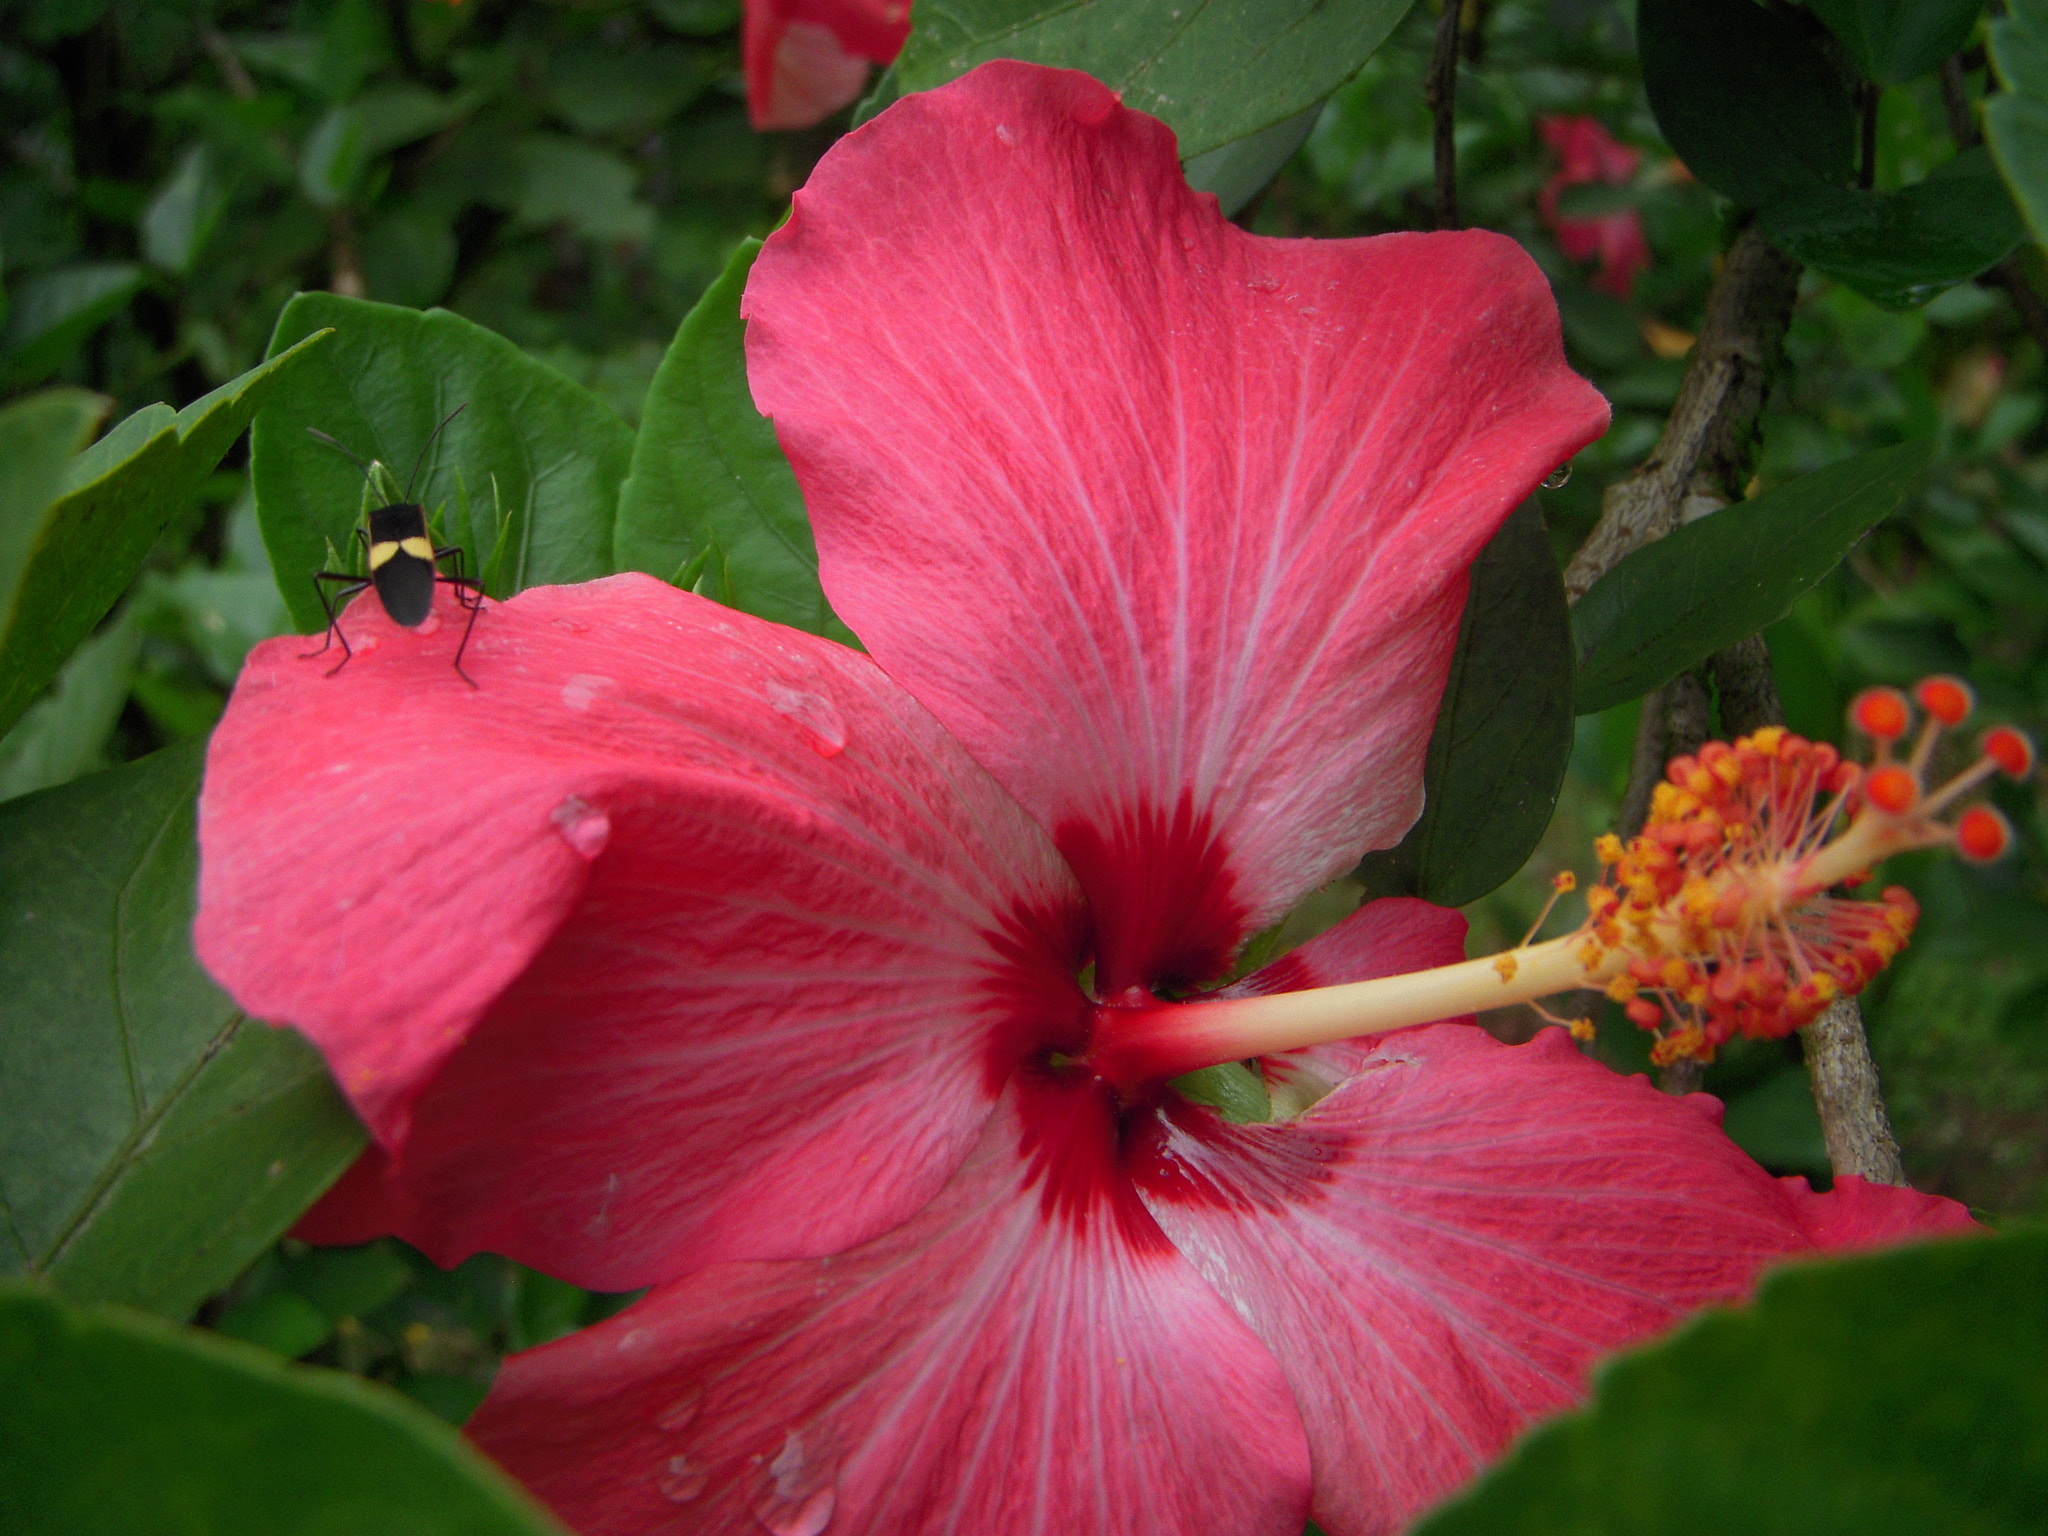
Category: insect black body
[404,567]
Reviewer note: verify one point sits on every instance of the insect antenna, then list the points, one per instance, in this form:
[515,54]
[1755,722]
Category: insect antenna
[422,459]
[341,448]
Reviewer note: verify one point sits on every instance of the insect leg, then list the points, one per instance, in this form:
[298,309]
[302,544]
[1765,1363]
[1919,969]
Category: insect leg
[470,594]
[350,585]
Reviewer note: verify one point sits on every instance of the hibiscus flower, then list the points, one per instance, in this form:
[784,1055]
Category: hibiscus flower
[805,59]
[694,953]
[1588,153]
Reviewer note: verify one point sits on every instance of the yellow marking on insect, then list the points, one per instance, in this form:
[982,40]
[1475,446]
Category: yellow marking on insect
[380,554]
[418,548]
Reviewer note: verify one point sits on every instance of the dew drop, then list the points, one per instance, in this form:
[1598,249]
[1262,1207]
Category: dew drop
[814,713]
[1559,477]
[681,1413]
[574,626]
[583,826]
[1003,133]
[582,690]
[802,1495]
[1263,283]
[809,1518]
[428,625]
[683,1480]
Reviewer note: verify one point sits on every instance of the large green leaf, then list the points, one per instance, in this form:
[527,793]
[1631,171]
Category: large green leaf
[711,502]
[118,1424]
[2016,119]
[1895,40]
[526,478]
[1213,70]
[1503,733]
[87,545]
[1671,604]
[1901,248]
[1897,1394]
[1752,106]
[152,1139]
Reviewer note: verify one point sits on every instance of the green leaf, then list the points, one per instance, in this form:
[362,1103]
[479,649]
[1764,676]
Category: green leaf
[51,315]
[1213,70]
[2016,119]
[1895,1394]
[152,1140]
[38,438]
[1896,40]
[180,219]
[117,1425]
[553,450]
[333,160]
[711,502]
[64,733]
[120,493]
[1503,733]
[1673,603]
[1235,1091]
[1239,170]
[1752,106]
[1901,248]
[565,181]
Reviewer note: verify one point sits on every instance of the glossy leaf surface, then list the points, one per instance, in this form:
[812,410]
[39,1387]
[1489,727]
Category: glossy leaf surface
[1895,40]
[118,1424]
[525,480]
[1891,1395]
[1503,732]
[710,502]
[1673,603]
[1901,247]
[152,1139]
[1214,70]
[1744,95]
[2016,119]
[118,497]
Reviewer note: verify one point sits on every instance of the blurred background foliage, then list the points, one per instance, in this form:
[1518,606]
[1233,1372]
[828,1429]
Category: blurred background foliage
[573,174]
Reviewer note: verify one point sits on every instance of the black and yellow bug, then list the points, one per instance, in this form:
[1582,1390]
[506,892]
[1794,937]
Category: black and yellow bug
[404,564]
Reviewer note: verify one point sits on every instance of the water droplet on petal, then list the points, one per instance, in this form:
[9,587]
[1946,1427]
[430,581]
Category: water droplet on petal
[428,625]
[574,626]
[806,1519]
[583,826]
[1003,133]
[1559,477]
[581,690]
[683,1480]
[681,1413]
[803,1493]
[814,713]
[1263,284]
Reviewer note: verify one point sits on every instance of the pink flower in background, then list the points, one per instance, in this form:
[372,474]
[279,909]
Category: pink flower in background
[695,953]
[1587,152]
[805,59]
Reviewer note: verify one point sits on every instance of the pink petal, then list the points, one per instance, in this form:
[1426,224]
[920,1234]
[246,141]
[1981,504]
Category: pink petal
[1167,522]
[1439,1250]
[681,935]
[1857,1214]
[1027,1356]
[805,59]
[1387,937]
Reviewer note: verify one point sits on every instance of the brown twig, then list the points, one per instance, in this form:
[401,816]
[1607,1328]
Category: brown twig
[1699,465]
[1702,460]
[1441,92]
